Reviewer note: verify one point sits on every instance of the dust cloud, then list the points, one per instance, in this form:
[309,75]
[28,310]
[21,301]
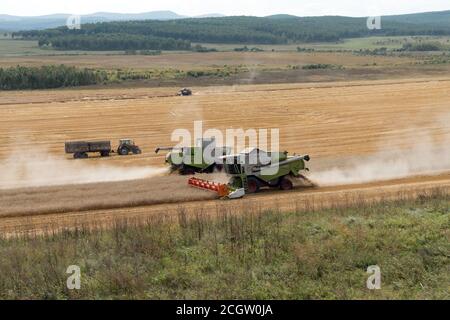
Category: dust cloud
[37,168]
[420,156]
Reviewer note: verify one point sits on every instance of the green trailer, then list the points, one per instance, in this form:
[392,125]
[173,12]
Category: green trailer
[254,169]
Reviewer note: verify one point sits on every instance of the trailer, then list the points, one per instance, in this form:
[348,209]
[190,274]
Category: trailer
[81,149]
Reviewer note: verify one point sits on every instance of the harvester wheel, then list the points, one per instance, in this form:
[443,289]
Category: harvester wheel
[286,184]
[253,185]
[187,171]
[274,183]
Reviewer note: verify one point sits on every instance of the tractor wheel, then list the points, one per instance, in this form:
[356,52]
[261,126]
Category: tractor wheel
[137,151]
[123,151]
[253,185]
[286,184]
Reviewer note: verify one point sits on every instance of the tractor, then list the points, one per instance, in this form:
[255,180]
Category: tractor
[127,146]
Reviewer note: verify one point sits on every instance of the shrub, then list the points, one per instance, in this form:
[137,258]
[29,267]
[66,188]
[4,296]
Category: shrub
[46,77]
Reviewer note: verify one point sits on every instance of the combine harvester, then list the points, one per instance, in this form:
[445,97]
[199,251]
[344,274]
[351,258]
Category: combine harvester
[248,174]
[188,165]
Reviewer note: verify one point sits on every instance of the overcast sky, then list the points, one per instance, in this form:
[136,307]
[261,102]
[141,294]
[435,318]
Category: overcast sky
[227,7]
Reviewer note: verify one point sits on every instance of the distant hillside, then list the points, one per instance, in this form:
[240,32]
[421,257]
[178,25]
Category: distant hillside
[16,23]
[278,29]
[211,15]
[154,15]
[282,16]
[438,18]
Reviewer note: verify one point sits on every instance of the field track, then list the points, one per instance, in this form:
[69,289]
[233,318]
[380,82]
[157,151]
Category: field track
[298,199]
[333,122]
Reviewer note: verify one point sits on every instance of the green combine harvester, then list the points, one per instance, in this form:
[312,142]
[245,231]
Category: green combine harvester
[188,164]
[254,169]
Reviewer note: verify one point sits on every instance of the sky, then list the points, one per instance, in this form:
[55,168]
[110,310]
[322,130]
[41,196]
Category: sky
[228,7]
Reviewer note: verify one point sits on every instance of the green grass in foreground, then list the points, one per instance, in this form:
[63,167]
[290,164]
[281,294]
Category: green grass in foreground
[306,255]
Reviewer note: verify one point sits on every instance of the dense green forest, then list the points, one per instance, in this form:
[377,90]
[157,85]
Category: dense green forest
[113,42]
[45,77]
[281,29]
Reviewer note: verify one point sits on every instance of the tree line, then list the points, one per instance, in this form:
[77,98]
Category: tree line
[177,34]
[100,42]
[47,77]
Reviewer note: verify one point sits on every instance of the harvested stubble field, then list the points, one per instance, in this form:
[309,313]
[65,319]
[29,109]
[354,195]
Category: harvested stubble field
[95,196]
[397,129]
[230,68]
[47,210]
[192,61]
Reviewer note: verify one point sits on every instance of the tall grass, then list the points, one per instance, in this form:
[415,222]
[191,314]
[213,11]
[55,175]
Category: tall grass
[312,254]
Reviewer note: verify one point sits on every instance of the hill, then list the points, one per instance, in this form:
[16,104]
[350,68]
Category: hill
[437,18]
[278,29]
[16,23]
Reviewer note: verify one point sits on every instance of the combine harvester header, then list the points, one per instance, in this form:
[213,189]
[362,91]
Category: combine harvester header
[223,190]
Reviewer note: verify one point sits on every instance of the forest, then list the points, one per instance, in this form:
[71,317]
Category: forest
[99,42]
[282,29]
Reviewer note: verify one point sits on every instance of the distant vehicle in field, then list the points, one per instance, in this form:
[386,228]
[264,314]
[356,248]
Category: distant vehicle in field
[185,92]
[81,149]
